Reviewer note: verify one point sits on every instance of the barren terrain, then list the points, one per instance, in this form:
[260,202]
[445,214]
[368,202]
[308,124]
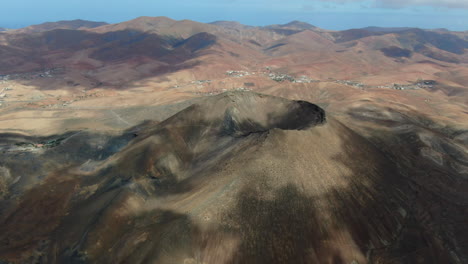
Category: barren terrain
[164,141]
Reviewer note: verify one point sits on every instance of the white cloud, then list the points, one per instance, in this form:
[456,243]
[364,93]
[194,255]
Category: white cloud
[434,3]
[408,3]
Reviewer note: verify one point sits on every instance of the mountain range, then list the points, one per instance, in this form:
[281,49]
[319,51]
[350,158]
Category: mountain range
[162,45]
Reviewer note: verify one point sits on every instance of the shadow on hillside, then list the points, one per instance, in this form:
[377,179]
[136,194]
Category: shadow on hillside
[31,159]
[287,225]
[435,190]
[286,228]
[145,54]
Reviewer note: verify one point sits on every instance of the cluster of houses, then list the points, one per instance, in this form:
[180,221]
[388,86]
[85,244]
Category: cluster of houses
[405,86]
[425,83]
[419,84]
[281,77]
[214,92]
[351,83]
[3,94]
[200,82]
[278,77]
[237,73]
[304,79]
[47,73]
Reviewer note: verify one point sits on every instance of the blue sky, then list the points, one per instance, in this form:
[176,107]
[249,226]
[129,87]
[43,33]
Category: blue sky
[329,14]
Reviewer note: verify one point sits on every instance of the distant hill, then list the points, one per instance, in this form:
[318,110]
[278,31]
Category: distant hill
[290,28]
[298,25]
[354,34]
[64,24]
[440,45]
[386,29]
[28,51]
[295,25]
[230,24]
[160,25]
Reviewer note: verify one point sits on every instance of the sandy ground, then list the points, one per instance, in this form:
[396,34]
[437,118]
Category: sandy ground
[29,109]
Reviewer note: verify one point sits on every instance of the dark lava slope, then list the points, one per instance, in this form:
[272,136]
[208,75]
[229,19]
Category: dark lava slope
[234,178]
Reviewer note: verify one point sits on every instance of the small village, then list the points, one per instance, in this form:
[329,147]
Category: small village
[3,93]
[47,73]
[283,77]
[351,83]
[237,73]
[419,84]
[199,84]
